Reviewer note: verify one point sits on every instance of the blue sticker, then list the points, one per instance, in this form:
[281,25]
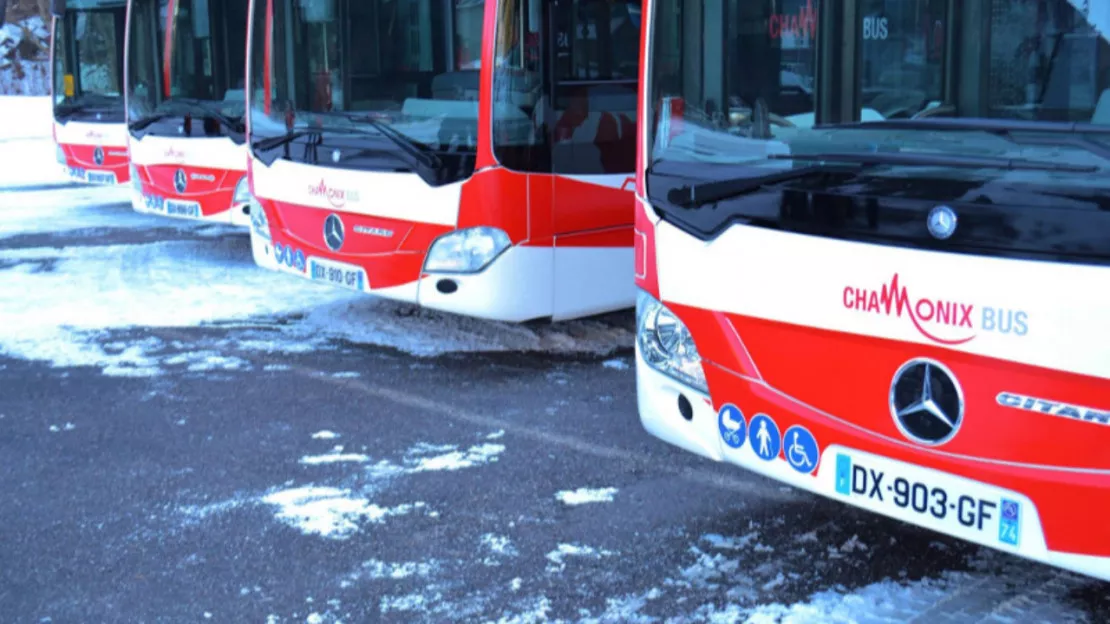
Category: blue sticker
[1009,526]
[843,474]
[299,260]
[801,449]
[730,420]
[764,436]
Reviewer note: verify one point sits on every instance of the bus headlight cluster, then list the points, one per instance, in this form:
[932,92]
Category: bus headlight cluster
[242,193]
[259,223]
[466,251]
[666,344]
[60,154]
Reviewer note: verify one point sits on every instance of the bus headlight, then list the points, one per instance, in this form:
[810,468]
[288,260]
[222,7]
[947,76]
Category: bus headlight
[60,154]
[242,193]
[466,251]
[136,183]
[666,344]
[259,223]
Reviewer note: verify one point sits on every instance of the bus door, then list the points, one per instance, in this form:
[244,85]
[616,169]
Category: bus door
[594,53]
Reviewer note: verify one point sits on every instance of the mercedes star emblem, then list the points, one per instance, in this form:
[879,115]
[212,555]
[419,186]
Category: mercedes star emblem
[942,222]
[98,155]
[333,232]
[926,402]
[180,182]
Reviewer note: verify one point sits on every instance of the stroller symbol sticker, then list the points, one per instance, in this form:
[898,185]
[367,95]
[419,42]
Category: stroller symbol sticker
[731,422]
[801,449]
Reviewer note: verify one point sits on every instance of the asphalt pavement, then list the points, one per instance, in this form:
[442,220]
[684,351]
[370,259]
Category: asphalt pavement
[357,483]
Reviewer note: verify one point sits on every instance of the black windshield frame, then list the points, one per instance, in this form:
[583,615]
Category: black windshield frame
[206,94]
[999,211]
[73,74]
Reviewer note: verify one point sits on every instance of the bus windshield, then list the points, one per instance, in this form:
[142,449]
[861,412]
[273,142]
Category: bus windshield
[187,57]
[412,65]
[88,60]
[923,76]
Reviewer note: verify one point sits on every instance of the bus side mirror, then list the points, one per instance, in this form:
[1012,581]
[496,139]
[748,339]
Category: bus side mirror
[3,11]
[58,8]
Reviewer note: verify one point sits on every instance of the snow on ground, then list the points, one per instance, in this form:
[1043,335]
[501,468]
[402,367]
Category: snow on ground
[581,496]
[186,283]
[331,512]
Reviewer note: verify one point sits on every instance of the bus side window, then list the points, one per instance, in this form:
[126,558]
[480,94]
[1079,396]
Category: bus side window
[594,104]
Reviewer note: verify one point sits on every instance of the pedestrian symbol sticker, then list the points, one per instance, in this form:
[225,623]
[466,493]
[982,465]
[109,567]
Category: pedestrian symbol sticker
[733,427]
[801,449]
[764,436]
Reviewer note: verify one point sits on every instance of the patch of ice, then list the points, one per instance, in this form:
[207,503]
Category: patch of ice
[615,364]
[346,375]
[380,570]
[333,458]
[730,543]
[458,460]
[330,512]
[408,602]
[496,435]
[325,435]
[582,496]
[270,368]
[314,618]
[516,584]
[532,614]
[557,557]
[498,545]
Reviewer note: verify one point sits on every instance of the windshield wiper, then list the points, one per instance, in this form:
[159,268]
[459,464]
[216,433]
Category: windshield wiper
[423,155]
[1055,133]
[915,159]
[229,123]
[708,192]
[283,139]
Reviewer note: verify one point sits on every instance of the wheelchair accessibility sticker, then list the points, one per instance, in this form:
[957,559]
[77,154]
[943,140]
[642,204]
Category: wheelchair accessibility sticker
[801,449]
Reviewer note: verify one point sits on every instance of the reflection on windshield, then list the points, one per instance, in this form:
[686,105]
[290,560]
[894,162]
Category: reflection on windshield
[412,64]
[1030,60]
[88,58]
[197,67]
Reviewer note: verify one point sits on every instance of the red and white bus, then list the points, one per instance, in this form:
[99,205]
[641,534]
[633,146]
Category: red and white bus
[873,260]
[186,61]
[471,156]
[87,71]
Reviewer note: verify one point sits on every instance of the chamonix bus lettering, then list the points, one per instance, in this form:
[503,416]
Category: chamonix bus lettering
[86,61]
[805,281]
[185,101]
[929,315]
[495,139]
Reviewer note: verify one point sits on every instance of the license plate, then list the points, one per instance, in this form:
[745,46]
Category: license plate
[337,274]
[946,503]
[101,177]
[182,209]
[78,173]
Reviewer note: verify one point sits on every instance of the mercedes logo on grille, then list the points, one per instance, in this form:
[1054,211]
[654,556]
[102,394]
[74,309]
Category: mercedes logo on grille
[98,155]
[180,182]
[926,402]
[333,232]
[942,222]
